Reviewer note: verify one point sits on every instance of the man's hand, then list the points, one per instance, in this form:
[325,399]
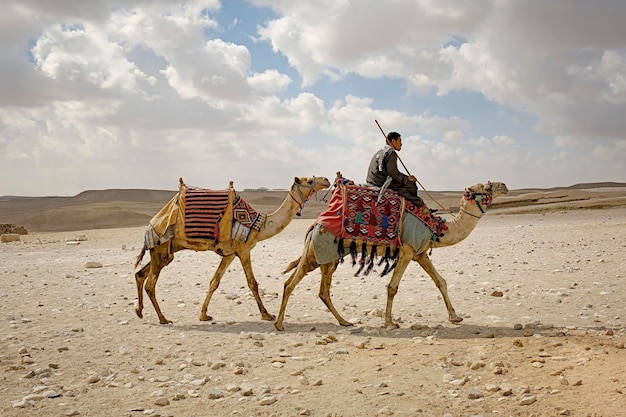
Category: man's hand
[411,178]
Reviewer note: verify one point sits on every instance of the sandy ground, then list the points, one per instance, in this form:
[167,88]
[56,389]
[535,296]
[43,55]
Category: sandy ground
[552,344]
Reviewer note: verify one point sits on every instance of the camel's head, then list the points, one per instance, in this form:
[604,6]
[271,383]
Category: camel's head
[309,185]
[305,187]
[483,194]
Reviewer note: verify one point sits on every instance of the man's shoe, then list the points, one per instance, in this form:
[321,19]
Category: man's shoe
[433,211]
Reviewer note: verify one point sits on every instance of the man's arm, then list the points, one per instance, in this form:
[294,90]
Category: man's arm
[392,169]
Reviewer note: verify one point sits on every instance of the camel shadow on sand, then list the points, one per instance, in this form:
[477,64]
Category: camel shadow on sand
[448,331]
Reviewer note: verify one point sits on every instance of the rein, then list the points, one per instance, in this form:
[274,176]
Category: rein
[302,199]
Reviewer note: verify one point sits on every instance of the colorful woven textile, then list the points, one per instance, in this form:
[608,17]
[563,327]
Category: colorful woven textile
[203,210]
[366,219]
[435,223]
[247,216]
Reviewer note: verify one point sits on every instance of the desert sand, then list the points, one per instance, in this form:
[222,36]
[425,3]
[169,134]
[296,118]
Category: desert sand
[541,291]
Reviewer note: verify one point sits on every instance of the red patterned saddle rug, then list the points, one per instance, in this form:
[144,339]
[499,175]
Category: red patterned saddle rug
[357,213]
[203,210]
[366,219]
[435,223]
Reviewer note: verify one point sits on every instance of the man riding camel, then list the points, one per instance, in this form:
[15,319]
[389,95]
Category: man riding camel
[383,171]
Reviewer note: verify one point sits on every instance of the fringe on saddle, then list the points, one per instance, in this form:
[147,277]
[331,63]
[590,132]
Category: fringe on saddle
[367,260]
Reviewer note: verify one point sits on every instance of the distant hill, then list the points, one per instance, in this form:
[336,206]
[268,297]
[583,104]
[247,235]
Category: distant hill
[115,208]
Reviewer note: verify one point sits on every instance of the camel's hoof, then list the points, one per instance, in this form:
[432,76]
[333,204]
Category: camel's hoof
[204,317]
[165,321]
[268,317]
[455,319]
[346,324]
[391,326]
[279,327]
[139,313]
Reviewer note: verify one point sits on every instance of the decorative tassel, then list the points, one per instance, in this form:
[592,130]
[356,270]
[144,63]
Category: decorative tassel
[353,252]
[370,264]
[362,260]
[386,257]
[340,250]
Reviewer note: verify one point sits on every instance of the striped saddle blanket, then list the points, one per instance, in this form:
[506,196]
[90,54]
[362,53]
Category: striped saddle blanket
[203,210]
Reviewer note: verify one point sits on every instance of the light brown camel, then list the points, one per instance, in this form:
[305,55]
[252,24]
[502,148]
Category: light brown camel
[161,255]
[474,203]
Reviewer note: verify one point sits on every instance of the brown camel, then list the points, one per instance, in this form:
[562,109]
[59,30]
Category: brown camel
[227,247]
[474,203]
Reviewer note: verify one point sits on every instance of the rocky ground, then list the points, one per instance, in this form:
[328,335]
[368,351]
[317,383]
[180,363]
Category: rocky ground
[542,296]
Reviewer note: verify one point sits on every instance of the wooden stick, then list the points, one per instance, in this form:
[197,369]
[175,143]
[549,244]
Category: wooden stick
[407,171]
[388,143]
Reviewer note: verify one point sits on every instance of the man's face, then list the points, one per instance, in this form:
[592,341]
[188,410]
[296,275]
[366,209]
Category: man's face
[397,143]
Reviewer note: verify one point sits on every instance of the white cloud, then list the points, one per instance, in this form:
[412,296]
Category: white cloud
[97,94]
[269,81]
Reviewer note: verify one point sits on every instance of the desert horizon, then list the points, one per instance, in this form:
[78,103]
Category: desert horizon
[112,208]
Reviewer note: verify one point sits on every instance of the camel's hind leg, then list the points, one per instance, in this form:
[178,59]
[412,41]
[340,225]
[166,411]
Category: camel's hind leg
[296,276]
[160,257]
[140,278]
[244,257]
[404,258]
[440,282]
[327,277]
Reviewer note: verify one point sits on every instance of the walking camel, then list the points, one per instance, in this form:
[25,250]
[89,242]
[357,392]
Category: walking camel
[227,246]
[474,203]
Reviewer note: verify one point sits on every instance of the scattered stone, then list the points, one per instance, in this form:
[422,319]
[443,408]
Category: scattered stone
[528,399]
[497,293]
[474,394]
[92,379]
[162,401]
[93,264]
[215,393]
[268,400]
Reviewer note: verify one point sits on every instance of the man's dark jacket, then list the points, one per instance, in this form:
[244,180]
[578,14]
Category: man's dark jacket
[379,170]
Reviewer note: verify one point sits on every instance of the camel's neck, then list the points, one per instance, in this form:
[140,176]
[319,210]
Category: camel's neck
[279,219]
[461,225]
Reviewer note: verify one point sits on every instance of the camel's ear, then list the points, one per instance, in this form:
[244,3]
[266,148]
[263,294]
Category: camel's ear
[477,188]
[296,180]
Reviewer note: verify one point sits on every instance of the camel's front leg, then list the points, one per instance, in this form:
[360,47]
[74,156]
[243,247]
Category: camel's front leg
[327,277]
[244,257]
[140,278]
[215,282]
[440,282]
[404,257]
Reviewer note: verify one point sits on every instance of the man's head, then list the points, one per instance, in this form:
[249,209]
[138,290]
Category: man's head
[394,140]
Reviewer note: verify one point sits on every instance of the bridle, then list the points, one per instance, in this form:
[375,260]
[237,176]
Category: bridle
[303,200]
[482,200]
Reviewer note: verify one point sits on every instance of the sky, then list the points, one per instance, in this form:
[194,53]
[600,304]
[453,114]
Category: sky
[135,94]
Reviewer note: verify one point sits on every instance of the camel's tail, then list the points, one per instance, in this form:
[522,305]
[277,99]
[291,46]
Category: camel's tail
[140,256]
[292,265]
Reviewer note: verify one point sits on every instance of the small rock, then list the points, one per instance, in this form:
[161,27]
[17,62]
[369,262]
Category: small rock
[528,399]
[92,264]
[93,379]
[268,399]
[215,393]
[162,401]
[474,394]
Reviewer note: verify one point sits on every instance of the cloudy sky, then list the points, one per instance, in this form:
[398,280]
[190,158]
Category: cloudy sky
[136,93]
